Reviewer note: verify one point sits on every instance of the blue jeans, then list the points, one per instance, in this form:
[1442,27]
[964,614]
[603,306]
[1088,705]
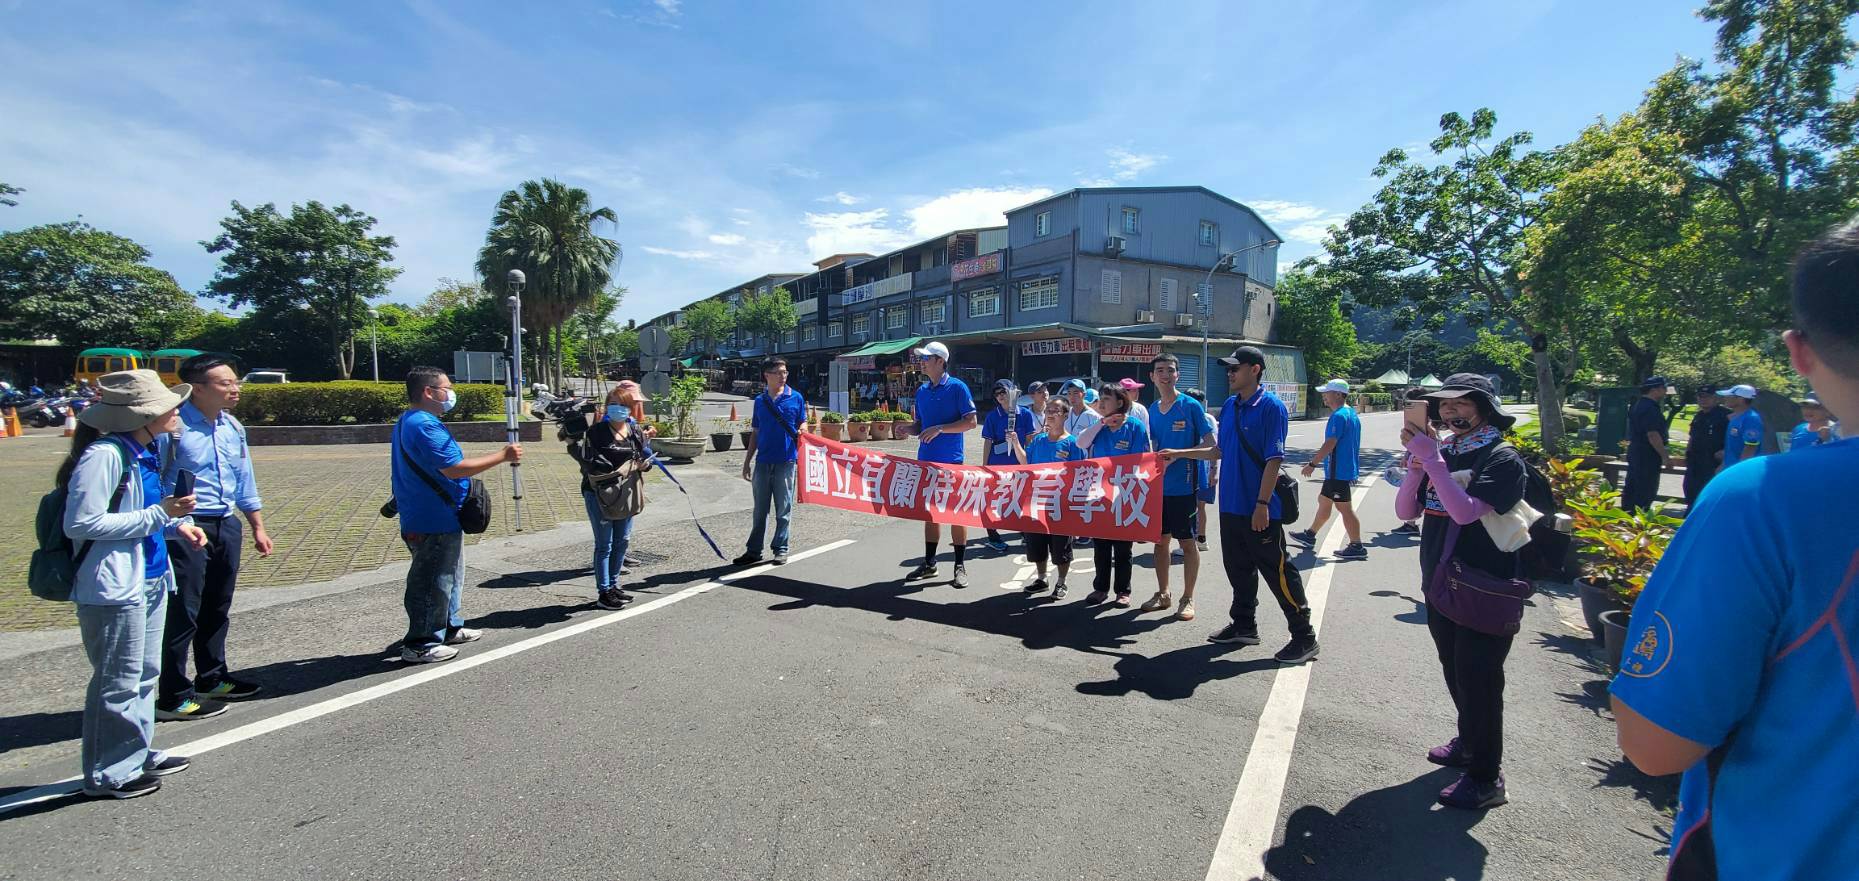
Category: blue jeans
[610,540]
[435,585]
[772,482]
[124,646]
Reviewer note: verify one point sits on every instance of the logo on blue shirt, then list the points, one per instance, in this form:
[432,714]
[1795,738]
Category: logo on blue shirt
[1650,651]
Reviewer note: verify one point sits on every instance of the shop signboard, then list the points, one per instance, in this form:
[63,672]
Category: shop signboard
[860,362]
[1070,345]
[986,264]
[1129,353]
[896,284]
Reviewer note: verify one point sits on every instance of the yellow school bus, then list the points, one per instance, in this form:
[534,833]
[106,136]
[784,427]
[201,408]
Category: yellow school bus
[168,363]
[92,363]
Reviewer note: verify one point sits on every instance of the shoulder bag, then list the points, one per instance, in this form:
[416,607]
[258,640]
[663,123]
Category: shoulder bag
[474,512]
[620,493]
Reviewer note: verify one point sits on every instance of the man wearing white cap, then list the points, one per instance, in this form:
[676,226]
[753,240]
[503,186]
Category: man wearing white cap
[945,409]
[1341,455]
[1744,439]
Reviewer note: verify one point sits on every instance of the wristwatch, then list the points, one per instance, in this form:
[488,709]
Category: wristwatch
[1262,502]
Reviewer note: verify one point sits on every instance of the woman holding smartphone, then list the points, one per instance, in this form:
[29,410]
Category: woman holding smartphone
[1472,660]
[1116,434]
[613,443]
[117,521]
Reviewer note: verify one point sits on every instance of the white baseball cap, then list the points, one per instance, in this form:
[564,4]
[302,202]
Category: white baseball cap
[1739,391]
[1334,385]
[932,350]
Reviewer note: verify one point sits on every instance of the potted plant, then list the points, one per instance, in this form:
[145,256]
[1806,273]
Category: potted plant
[686,443]
[880,425]
[832,424]
[722,437]
[901,424]
[1619,552]
[858,427]
[747,430]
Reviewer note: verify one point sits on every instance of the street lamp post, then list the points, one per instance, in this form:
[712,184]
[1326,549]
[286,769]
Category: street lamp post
[374,340]
[1206,296]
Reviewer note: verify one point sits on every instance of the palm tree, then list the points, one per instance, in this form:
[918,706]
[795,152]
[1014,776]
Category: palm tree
[546,229]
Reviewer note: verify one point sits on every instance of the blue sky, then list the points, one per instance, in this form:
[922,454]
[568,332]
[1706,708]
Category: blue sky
[736,139]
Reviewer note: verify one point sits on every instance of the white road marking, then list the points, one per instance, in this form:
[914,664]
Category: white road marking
[323,708]
[1252,823]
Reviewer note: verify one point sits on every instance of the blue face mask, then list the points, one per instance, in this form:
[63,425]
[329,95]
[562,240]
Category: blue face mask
[451,400]
[616,412]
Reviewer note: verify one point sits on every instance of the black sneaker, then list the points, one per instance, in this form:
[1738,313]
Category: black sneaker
[629,560]
[613,598]
[190,709]
[1039,585]
[1058,590]
[230,689]
[1233,634]
[146,784]
[167,766]
[780,558]
[1352,551]
[1305,537]
[927,570]
[961,576]
[1298,650]
[1474,795]
[1408,529]
[748,559]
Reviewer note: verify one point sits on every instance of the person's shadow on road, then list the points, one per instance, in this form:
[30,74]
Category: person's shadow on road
[1396,832]
[1174,675]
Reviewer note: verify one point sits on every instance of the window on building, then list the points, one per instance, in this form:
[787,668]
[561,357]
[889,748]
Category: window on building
[1042,224]
[1110,289]
[1039,293]
[835,329]
[932,312]
[1129,221]
[896,317]
[1210,233]
[810,333]
[762,290]
[788,338]
[1166,296]
[861,324]
[984,303]
[1203,295]
[941,258]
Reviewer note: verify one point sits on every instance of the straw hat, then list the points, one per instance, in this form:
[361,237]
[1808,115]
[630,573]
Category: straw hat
[132,399]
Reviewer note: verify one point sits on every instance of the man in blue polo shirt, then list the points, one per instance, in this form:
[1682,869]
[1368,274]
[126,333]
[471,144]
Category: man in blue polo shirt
[1341,455]
[1743,440]
[1177,422]
[945,409]
[1252,429]
[430,477]
[1739,667]
[776,415]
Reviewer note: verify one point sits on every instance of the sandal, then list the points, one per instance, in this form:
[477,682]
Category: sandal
[1158,602]
[1186,612]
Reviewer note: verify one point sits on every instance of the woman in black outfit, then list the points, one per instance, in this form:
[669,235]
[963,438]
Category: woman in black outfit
[1472,660]
[612,442]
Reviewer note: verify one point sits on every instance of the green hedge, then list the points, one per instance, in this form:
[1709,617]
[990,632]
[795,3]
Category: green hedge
[350,402]
[1377,399]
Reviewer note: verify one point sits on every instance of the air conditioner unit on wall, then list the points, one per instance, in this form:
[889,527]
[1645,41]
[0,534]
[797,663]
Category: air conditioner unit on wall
[1145,317]
[1185,319]
[1113,246]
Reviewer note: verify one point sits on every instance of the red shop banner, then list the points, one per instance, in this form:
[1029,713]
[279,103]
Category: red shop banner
[1115,498]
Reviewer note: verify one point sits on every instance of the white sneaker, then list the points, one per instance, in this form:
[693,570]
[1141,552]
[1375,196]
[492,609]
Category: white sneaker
[464,635]
[430,656]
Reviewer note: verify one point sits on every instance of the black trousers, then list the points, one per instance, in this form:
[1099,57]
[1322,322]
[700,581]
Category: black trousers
[201,609]
[1248,555]
[1111,557]
[1641,487]
[1697,474]
[1474,666]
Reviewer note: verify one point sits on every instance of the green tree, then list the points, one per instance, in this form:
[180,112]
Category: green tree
[86,287]
[769,315]
[6,194]
[680,338]
[319,263]
[1310,316]
[547,229]
[709,322]
[450,292]
[592,324]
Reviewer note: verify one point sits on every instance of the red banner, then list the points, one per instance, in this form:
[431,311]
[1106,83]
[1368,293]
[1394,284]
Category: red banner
[1115,498]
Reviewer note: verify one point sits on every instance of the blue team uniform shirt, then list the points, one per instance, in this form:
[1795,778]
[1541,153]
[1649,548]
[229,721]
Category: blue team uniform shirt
[774,444]
[1735,633]
[1745,428]
[1265,421]
[994,434]
[148,470]
[1185,425]
[429,444]
[1044,449]
[940,404]
[1130,438]
[1804,437]
[1345,459]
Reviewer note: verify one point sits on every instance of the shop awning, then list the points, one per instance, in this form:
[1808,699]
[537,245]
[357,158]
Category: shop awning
[883,347]
[689,362]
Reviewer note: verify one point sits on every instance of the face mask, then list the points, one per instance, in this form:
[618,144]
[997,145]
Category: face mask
[1459,424]
[450,401]
[616,412]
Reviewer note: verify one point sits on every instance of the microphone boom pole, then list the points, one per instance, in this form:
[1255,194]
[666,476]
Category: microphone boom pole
[513,392]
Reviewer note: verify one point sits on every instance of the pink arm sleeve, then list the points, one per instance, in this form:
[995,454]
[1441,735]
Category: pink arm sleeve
[1463,509]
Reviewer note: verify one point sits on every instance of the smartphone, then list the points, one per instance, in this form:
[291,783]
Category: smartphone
[1415,417]
[183,483]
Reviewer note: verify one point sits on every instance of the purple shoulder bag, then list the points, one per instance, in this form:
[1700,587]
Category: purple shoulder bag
[1472,598]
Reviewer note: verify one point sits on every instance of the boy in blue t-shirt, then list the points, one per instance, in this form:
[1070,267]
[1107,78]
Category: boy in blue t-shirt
[1744,438]
[1177,422]
[1341,455]
[1051,445]
[1816,429]
[994,431]
[1739,664]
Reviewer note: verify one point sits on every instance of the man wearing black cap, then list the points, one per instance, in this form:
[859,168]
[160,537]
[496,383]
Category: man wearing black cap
[1251,449]
[1704,446]
[1647,455]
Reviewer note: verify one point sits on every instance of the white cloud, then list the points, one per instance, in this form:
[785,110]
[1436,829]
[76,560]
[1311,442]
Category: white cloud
[1278,211]
[842,197]
[1097,182]
[681,255]
[1130,165]
[726,239]
[669,7]
[966,209]
[851,232]
[1311,233]
[792,170]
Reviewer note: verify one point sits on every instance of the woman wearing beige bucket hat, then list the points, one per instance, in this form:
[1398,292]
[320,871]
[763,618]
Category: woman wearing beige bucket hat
[117,520]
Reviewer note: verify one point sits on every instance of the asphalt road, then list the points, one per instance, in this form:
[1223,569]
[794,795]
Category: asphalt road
[824,721]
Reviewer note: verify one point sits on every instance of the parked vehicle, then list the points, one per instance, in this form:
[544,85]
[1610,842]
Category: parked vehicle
[167,362]
[92,363]
[266,377]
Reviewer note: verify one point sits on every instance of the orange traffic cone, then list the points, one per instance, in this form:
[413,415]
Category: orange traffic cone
[70,424]
[12,424]
[732,413]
